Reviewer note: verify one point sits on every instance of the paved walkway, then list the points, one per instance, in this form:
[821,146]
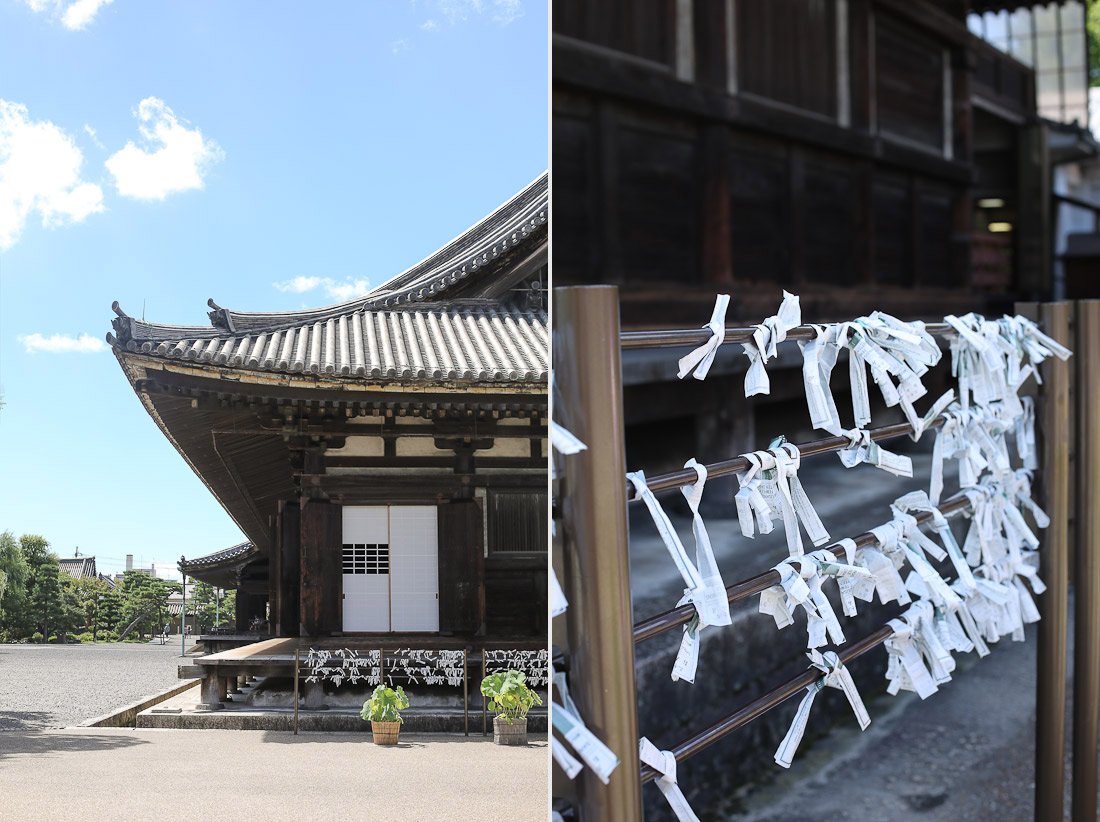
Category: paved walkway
[187,775]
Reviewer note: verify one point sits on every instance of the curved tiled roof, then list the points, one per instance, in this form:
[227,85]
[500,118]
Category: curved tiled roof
[510,226]
[236,553]
[410,329]
[484,342]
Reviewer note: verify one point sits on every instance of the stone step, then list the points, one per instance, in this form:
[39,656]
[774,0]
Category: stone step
[427,721]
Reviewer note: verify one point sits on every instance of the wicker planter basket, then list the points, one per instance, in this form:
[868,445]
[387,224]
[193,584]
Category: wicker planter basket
[385,733]
[509,734]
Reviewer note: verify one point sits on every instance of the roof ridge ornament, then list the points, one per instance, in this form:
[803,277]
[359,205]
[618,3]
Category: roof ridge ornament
[220,317]
[123,324]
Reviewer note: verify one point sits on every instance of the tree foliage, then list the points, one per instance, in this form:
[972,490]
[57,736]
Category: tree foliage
[204,604]
[38,599]
[1092,27]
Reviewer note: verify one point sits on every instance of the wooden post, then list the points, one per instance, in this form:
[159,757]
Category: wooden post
[1086,616]
[595,562]
[1053,438]
[290,564]
[321,529]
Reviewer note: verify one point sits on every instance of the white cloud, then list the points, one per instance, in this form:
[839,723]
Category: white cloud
[62,344]
[94,136]
[81,13]
[74,16]
[173,158]
[399,46]
[500,11]
[40,172]
[429,25]
[338,291]
[507,11]
[459,11]
[347,291]
[299,285]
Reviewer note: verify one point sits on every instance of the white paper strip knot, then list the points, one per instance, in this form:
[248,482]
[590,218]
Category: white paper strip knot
[864,449]
[765,338]
[664,762]
[702,357]
[835,676]
[567,721]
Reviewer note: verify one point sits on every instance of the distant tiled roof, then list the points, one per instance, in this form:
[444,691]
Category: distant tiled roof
[78,567]
[476,342]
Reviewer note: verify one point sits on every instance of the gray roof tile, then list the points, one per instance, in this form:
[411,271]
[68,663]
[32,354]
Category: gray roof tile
[487,343]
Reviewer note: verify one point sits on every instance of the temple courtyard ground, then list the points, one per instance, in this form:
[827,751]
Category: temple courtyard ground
[47,690]
[188,775]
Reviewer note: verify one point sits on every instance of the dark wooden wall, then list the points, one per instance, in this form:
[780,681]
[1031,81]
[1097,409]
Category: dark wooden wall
[677,182]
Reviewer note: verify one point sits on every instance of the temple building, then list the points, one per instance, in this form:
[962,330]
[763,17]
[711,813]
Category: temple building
[386,457]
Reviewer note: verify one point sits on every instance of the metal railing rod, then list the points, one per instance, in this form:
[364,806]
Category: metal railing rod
[674,337]
[666,621]
[813,448]
[743,716]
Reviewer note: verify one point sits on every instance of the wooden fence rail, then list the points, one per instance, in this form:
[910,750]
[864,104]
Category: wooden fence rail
[597,632]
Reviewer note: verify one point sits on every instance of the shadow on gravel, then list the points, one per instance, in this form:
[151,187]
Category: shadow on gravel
[26,720]
[37,743]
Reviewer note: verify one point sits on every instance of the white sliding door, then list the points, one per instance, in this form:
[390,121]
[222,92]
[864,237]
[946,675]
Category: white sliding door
[366,567]
[414,589]
[390,568]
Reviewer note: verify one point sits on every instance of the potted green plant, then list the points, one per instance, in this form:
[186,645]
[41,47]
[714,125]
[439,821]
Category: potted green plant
[383,709]
[510,699]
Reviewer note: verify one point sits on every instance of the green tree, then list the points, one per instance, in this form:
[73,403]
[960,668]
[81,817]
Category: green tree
[144,602]
[90,592]
[50,608]
[1092,28]
[208,611]
[110,610]
[14,617]
[69,615]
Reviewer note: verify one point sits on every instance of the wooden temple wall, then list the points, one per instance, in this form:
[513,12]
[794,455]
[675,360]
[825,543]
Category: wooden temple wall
[501,594]
[824,146]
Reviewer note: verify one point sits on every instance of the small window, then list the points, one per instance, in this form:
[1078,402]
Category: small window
[366,559]
[516,522]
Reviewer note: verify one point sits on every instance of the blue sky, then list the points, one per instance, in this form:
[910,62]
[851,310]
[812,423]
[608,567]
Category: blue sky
[267,154]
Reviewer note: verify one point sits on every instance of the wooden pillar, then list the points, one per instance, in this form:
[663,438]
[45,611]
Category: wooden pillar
[1086,571]
[274,576]
[287,617]
[320,588]
[596,565]
[1052,489]
[242,615]
[461,567]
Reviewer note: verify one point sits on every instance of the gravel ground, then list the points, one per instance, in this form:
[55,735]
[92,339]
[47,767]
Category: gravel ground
[57,686]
